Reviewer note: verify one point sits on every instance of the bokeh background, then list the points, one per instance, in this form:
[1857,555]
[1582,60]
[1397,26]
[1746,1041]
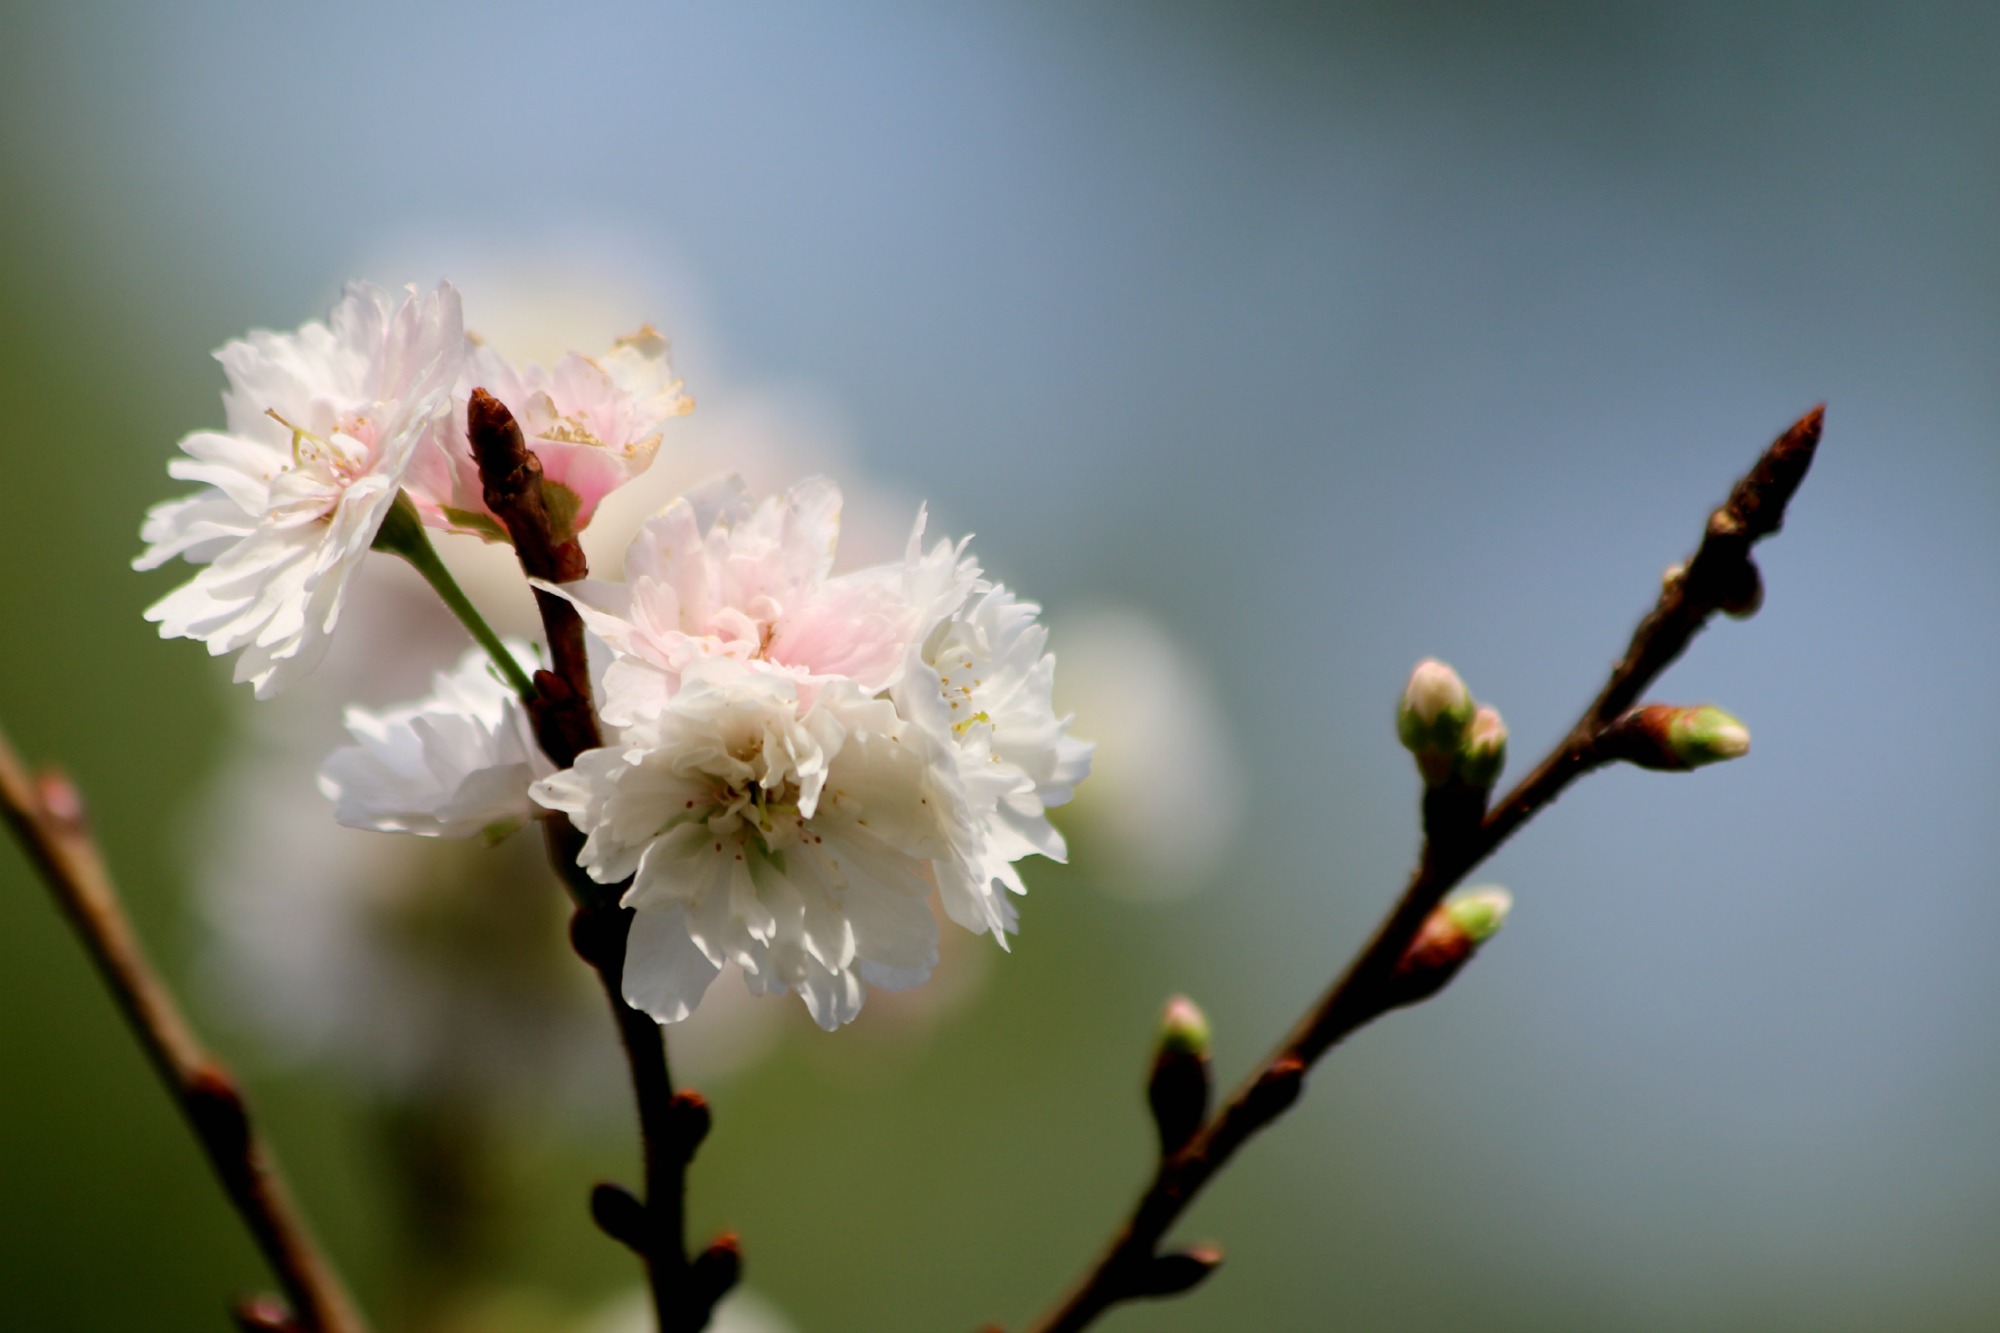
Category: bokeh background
[1309,340]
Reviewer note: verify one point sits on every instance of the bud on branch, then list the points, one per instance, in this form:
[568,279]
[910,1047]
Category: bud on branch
[620,1215]
[1432,717]
[715,1270]
[1449,937]
[1483,753]
[1177,1272]
[1672,739]
[1178,1088]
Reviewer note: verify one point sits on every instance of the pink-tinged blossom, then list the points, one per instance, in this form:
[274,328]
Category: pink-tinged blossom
[321,426]
[806,757]
[716,574]
[594,422]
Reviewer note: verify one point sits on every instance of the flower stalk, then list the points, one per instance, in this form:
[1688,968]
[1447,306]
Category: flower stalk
[402,534]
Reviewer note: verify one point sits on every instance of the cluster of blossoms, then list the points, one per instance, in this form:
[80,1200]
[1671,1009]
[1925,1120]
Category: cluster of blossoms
[801,759]
[326,427]
[797,762]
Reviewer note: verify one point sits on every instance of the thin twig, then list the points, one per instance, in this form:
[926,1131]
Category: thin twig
[671,1124]
[1720,576]
[47,815]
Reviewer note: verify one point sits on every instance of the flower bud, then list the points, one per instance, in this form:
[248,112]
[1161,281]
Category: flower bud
[1449,937]
[1177,1271]
[1276,1088]
[1184,1028]
[716,1269]
[1178,1089]
[1741,594]
[1432,716]
[687,1120]
[61,801]
[620,1215]
[1483,752]
[1707,735]
[1478,912]
[1671,739]
[263,1314]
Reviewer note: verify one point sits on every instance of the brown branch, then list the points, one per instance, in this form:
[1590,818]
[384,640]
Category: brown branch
[565,723]
[1719,577]
[47,815]
[671,1125]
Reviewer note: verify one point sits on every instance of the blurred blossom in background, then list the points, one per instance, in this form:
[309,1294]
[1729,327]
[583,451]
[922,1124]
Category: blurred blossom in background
[1271,348]
[1163,802]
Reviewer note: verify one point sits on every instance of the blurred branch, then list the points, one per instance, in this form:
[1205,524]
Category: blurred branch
[671,1125]
[1720,576]
[47,815]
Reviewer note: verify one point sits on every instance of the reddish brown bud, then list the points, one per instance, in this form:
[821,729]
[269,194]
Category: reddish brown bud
[716,1269]
[217,1109]
[1177,1272]
[1277,1087]
[263,1314]
[1178,1088]
[688,1120]
[619,1215]
[1449,937]
[1670,738]
[1739,591]
[61,801]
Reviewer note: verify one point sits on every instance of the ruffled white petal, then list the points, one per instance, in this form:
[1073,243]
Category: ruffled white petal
[322,425]
[983,680]
[453,765]
[793,843]
[665,974]
[804,760]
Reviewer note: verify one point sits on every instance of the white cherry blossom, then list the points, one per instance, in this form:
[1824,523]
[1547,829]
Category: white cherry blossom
[320,427]
[796,844]
[453,765]
[984,679]
[433,970]
[806,757]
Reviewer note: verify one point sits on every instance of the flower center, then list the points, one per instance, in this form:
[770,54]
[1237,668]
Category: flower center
[958,693]
[740,812]
[570,430]
[344,455]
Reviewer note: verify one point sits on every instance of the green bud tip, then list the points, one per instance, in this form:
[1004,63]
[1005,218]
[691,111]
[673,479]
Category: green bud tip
[1479,912]
[1483,753]
[1707,735]
[1184,1028]
[1435,709]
